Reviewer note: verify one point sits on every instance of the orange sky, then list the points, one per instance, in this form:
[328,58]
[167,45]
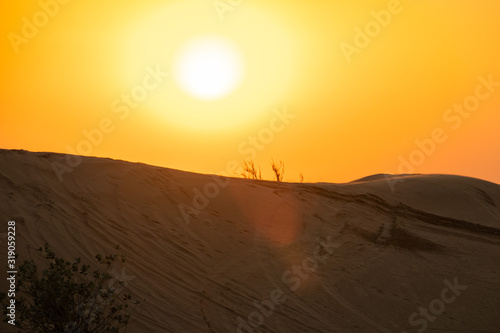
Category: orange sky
[356,102]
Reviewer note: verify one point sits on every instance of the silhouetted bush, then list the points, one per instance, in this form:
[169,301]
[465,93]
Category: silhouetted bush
[69,297]
[278,169]
[250,170]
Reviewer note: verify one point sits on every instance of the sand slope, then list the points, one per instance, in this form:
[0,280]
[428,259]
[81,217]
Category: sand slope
[356,257]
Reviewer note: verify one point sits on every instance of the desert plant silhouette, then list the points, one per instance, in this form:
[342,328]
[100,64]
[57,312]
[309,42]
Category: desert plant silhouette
[68,297]
[278,169]
[250,170]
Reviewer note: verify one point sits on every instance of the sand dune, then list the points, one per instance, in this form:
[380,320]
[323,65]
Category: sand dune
[232,255]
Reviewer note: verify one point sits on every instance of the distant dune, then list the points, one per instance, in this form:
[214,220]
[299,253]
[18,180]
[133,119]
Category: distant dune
[409,253]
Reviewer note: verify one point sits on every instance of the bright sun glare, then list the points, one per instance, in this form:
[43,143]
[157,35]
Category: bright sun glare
[222,74]
[208,68]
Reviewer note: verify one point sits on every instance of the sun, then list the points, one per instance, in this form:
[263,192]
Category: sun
[223,75]
[208,67]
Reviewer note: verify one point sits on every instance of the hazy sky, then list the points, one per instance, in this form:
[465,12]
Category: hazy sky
[338,90]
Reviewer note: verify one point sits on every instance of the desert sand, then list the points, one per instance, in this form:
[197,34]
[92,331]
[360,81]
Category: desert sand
[420,254]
